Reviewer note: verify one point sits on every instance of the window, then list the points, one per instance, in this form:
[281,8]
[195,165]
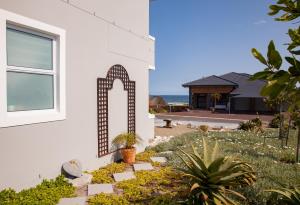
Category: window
[32,74]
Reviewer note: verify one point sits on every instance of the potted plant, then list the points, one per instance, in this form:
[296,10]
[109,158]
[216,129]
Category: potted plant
[127,142]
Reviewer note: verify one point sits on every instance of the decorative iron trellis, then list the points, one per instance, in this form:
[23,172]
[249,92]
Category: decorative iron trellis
[103,86]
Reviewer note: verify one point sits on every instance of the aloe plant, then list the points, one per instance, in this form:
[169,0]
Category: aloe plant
[212,176]
[289,196]
[127,140]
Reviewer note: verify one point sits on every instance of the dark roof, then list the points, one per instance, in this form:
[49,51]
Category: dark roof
[210,81]
[244,87]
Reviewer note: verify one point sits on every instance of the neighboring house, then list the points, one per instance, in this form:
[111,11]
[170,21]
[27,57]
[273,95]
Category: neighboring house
[238,93]
[74,74]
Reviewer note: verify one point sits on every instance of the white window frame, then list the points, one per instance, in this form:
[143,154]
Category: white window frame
[18,22]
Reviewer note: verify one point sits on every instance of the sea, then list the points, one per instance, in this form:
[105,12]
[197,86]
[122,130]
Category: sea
[177,99]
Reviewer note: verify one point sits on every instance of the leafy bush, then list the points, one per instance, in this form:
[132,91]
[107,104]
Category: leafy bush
[251,125]
[49,192]
[152,111]
[247,126]
[204,128]
[275,122]
[107,199]
[257,122]
[104,175]
[212,177]
[158,110]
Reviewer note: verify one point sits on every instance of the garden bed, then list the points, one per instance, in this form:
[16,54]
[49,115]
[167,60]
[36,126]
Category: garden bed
[164,185]
[271,163]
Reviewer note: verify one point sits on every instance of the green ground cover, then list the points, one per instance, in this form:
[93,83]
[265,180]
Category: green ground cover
[271,163]
[49,192]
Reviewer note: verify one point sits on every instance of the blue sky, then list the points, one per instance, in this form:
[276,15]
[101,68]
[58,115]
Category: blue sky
[197,38]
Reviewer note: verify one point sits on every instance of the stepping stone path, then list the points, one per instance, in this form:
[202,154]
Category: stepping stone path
[123,176]
[84,181]
[142,167]
[73,201]
[159,159]
[94,189]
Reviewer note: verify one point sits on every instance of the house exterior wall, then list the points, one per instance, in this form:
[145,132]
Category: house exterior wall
[33,152]
[249,105]
[241,104]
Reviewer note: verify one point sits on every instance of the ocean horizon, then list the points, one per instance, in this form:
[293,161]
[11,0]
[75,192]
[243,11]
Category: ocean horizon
[180,99]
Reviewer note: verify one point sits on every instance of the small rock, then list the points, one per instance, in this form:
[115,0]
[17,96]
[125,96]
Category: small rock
[85,179]
[72,168]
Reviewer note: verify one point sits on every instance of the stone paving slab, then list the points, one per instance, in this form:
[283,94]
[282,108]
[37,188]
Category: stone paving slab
[143,166]
[100,188]
[159,159]
[85,179]
[123,176]
[73,201]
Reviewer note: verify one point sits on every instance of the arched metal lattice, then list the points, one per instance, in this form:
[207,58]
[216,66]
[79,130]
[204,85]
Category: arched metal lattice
[103,86]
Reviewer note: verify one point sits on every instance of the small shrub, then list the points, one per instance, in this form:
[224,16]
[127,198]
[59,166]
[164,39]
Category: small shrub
[257,122]
[152,111]
[49,192]
[107,199]
[104,175]
[157,110]
[247,126]
[275,122]
[251,125]
[204,128]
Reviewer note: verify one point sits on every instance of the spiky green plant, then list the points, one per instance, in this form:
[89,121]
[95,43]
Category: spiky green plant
[212,176]
[127,140]
[289,196]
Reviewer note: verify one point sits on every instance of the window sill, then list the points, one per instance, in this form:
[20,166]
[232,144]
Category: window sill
[31,117]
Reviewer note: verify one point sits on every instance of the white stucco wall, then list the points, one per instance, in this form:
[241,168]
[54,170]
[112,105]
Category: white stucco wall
[30,153]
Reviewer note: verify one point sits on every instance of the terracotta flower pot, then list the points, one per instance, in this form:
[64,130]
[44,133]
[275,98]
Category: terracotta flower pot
[128,155]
